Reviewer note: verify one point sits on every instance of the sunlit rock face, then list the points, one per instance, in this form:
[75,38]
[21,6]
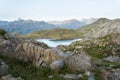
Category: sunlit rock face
[35,53]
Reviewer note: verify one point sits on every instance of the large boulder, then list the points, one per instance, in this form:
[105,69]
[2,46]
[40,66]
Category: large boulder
[79,60]
[8,44]
[57,65]
[35,53]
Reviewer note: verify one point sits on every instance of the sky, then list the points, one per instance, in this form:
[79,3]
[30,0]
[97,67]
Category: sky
[58,9]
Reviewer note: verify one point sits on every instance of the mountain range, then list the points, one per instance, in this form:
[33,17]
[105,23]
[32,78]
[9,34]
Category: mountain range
[72,24]
[89,20]
[27,26]
[100,28]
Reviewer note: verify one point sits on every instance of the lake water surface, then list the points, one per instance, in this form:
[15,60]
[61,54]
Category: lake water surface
[51,43]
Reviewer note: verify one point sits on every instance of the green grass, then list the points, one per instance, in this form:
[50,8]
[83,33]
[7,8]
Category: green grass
[98,74]
[28,71]
[106,64]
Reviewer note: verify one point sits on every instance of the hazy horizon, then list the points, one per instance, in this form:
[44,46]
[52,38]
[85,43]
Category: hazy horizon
[58,10]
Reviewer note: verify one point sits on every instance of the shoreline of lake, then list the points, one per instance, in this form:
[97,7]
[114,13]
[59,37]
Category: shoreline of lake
[54,43]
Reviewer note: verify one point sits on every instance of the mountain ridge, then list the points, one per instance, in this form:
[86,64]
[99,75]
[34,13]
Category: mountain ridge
[27,26]
[73,23]
[101,27]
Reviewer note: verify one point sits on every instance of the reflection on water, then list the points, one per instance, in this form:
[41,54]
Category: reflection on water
[51,43]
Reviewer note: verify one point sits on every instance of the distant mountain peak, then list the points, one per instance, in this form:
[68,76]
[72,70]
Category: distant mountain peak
[65,22]
[101,27]
[71,20]
[103,20]
[89,20]
[71,23]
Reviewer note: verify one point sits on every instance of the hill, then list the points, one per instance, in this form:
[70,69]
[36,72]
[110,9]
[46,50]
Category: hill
[100,47]
[101,28]
[54,34]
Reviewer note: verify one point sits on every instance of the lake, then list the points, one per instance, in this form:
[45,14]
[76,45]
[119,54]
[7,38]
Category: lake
[51,43]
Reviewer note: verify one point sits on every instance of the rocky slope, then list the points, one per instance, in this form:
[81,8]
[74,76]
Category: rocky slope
[93,59]
[100,47]
[101,28]
[105,54]
[38,54]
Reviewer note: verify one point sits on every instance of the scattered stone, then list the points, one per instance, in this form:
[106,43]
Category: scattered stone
[113,59]
[3,67]
[114,76]
[61,75]
[10,77]
[105,74]
[88,73]
[44,65]
[41,63]
[51,76]
[91,76]
[71,77]
[80,75]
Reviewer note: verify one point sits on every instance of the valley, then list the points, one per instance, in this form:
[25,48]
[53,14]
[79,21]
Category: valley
[95,57]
